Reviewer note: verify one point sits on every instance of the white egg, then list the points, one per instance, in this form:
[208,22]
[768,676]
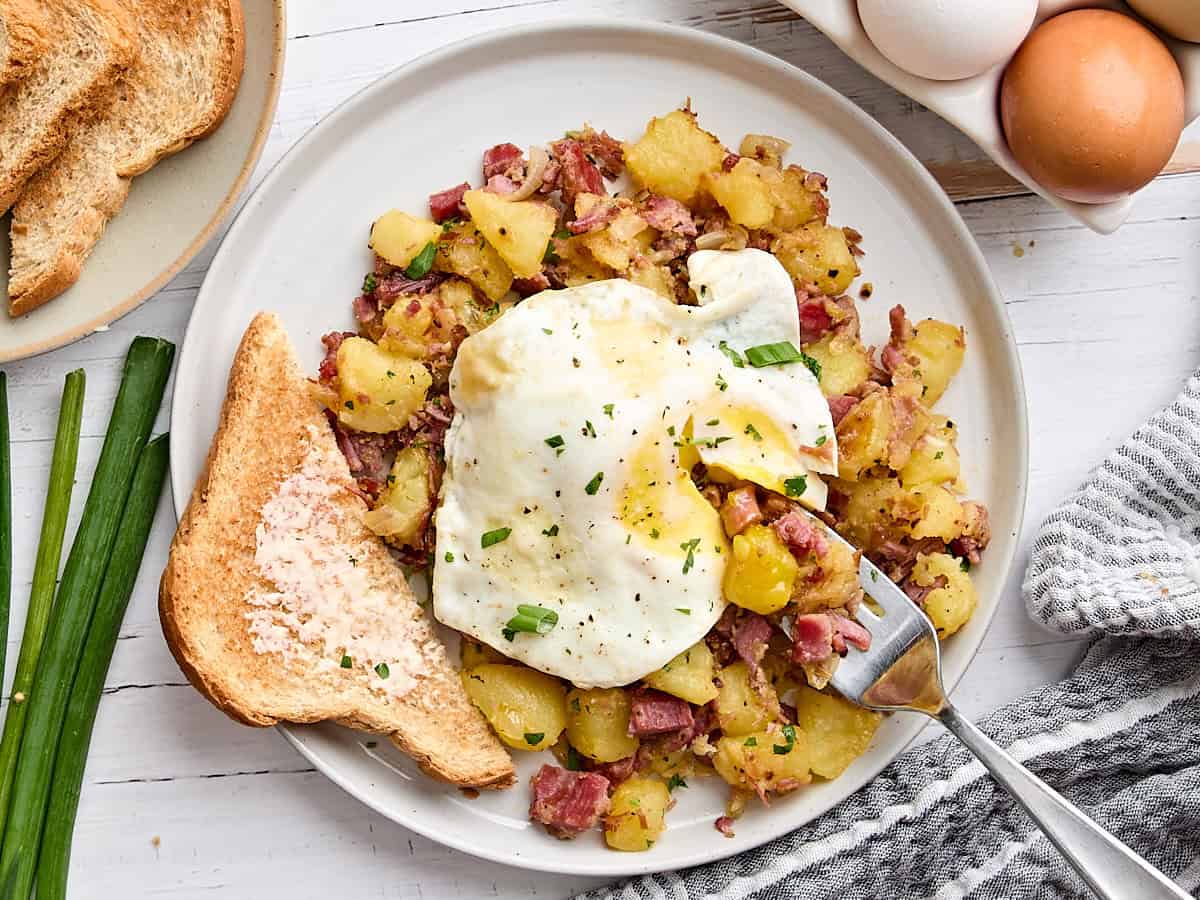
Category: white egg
[947,39]
[579,417]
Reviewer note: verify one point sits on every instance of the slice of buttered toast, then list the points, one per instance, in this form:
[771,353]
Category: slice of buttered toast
[280,605]
[177,91]
[24,37]
[92,43]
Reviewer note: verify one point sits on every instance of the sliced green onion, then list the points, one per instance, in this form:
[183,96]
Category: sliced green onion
[422,262]
[796,487]
[594,485]
[734,356]
[690,548]
[45,574]
[119,580]
[777,354]
[531,620]
[608,409]
[675,781]
[382,670]
[552,531]
[533,738]
[494,537]
[789,735]
[555,440]
[146,369]
[347,662]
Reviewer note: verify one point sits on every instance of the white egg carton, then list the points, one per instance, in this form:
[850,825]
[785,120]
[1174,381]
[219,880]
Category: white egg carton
[972,104]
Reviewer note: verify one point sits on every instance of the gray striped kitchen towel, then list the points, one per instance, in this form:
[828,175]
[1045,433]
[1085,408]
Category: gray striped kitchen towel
[1121,737]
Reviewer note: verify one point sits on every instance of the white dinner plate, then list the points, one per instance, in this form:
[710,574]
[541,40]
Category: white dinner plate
[299,248]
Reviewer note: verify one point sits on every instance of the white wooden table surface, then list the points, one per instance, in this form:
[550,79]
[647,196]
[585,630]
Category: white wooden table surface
[180,801]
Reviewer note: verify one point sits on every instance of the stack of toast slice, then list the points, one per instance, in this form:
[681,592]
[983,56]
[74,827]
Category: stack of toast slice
[98,92]
[230,599]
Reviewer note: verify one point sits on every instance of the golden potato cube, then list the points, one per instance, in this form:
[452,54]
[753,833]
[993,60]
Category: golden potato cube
[910,420]
[598,723]
[637,814]
[844,361]
[617,245]
[740,708]
[877,510]
[405,328]
[459,299]
[655,278]
[525,708]
[765,760]
[941,514]
[519,230]
[934,460]
[863,434]
[838,731]
[581,266]
[398,237]
[939,349]
[796,203]
[747,192]
[761,571]
[463,251]
[835,583]
[473,653]
[949,607]
[406,500]
[817,254]
[688,676]
[378,390]
[673,156]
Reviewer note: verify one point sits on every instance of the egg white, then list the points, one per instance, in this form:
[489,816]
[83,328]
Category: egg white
[607,528]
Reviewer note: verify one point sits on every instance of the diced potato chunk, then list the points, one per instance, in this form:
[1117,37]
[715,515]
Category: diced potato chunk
[637,814]
[838,731]
[910,420]
[406,501]
[761,571]
[398,237]
[740,708]
[764,760]
[939,349]
[796,203]
[689,675]
[458,297]
[941,515]
[934,460]
[863,436]
[463,251]
[673,156]
[526,708]
[598,723]
[582,267]
[818,254]
[747,192]
[519,230]
[951,606]
[378,390]
[406,325]
[845,363]
[655,278]
[618,244]
[877,509]
[829,582]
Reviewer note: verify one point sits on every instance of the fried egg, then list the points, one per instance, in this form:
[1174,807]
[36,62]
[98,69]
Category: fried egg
[579,416]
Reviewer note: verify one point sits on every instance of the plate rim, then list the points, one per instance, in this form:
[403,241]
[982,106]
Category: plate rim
[627,865]
[261,132]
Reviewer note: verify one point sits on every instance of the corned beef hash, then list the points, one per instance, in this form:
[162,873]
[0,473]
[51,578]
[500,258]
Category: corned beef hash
[614,377]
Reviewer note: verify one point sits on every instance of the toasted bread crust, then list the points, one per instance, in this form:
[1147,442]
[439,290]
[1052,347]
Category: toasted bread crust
[268,423]
[28,37]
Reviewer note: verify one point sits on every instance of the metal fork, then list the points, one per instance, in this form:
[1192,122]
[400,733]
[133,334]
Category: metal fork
[902,670]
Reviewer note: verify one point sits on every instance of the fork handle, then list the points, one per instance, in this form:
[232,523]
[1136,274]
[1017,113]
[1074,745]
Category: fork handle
[1111,870]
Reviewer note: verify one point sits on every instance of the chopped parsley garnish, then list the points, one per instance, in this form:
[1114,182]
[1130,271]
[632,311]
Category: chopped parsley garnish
[684,610]
[671,430]
[965,565]
[608,408]
[588,428]
[713,422]
[752,431]
[552,531]
[531,620]
[449,557]
[594,485]
[750,742]
[555,441]
[795,487]
[675,782]
[734,356]
[494,536]
[821,441]
[547,331]
[382,670]
[369,283]
[347,662]
[789,735]
[574,763]
[722,384]
[654,533]
[533,738]
[422,262]
[551,255]
[391,374]
[690,548]
[349,404]
[939,454]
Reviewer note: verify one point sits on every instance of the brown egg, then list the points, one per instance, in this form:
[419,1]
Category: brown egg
[1092,105]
